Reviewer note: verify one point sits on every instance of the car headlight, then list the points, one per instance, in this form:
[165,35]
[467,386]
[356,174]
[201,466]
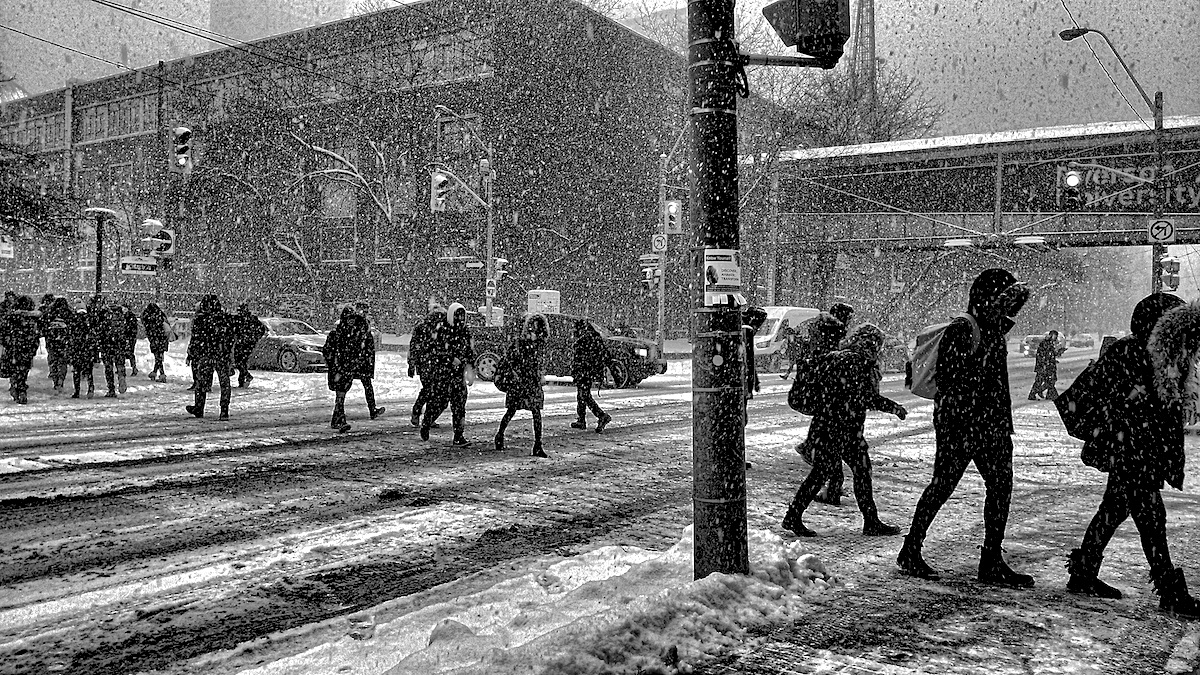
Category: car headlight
[642,352]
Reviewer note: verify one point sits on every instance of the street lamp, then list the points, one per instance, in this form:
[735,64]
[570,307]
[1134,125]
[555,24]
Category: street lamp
[1157,250]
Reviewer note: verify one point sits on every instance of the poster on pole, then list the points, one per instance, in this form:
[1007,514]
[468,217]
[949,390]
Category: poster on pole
[722,277]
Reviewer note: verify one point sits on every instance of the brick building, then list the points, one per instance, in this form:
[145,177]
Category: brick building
[312,157]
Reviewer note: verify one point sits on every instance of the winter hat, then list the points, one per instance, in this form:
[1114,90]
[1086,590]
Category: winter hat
[866,338]
[991,285]
[452,313]
[536,325]
[1149,310]
[842,311]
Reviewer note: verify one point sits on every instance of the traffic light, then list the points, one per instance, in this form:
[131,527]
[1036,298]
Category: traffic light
[818,28]
[1170,272]
[1071,188]
[181,150]
[439,185]
[674,224]
[498,271]
[651,275]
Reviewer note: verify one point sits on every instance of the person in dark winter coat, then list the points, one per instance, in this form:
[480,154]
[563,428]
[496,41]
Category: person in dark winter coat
[55,327]
[825,334]
[793,349]
[84,348]
[350,355]
[972,422]
[8,304]
[19,336]
[420,349]
[210,353]
[247,331]
[525,359]
[1139,382]
[588,362]
[131,338]
[110,326]
[449,368]
[154,320]
[1045,367]
[850,378]
[753,318]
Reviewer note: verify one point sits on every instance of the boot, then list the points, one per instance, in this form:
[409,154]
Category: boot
[460,439]
[499,441]
[993,570]
[878,528]
[416,418]
[22,398]
[224,416]
[604,420]
[134,371]
[911,563]
[197,410]
[121,386]
[378,412]
[793,523]
[424,432]
[162,376]
[111,394]
[579,424]
[91,391]
[538,451]
[1083,579]
[1174,597]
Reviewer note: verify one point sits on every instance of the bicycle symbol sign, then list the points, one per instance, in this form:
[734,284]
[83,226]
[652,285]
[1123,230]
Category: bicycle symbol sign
[1162,231]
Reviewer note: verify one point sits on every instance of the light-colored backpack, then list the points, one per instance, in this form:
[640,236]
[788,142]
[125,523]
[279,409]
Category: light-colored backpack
[922,369]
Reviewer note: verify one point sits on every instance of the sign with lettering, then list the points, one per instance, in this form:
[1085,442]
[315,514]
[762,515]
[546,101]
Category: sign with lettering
[139,265]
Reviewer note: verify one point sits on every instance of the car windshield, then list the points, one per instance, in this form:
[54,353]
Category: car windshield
[291,327]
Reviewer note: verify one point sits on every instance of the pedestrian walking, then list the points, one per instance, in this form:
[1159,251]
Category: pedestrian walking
[19,335]
[1133,431]
[113,345]
[1045,367]
[588,362]
[350,355]
[793,349]
[420,349]
[83,350]
[55,327]
[849,379]
[449,370]
[972,422]
[131,338]
[7,305]
[825,334]
[522,373]
[155,322]
[753,319]
[247,331]
[210,353]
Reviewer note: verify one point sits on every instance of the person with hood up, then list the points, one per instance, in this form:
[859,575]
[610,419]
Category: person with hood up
[524,360]
[1139,385]
[209,353]
[83,338]
[420,350]
[590,359]
[155,322]
[8,304]
[55,326]
[450,369]
[113,345]
[825,334]
[350,355]
[850,378]
[247,331]
[972,422]
[19,336]
[131,338]
[1045,367]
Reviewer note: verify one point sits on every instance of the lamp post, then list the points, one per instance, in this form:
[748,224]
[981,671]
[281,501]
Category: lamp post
[487,173]
[1157,250]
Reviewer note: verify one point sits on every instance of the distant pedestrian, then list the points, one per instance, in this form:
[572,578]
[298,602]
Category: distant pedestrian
[131,338]
[1045,367]
[210,353]
[524,362]
[752,319]
[825,334]
[793,349]
[247,331]
[972,422]
[1136,436]
[55,327]
[83,350]
[113,346]
[420,350]
[350,355]
[19,336]
[590,358]
[849,379]
[155,322]
[449,368]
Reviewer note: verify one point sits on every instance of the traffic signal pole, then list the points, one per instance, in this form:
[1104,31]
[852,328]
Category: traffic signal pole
[1157,251]
[662,256]
[490,269]
[718,354]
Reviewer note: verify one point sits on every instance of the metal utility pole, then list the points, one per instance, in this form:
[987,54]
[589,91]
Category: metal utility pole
[1157,251]
[489,291]
[718,354]
[662,256]
[101,215]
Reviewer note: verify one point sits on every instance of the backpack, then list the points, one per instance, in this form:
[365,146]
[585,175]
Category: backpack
[812,384]
[921,371]
[503,379]
[1084,409]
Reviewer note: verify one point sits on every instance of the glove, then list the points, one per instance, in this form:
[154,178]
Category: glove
[469,376]
[901,412]
[411,372]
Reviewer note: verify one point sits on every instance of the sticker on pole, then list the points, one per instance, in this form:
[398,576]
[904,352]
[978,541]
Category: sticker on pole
[722,277]
[139,265]
[1162,231]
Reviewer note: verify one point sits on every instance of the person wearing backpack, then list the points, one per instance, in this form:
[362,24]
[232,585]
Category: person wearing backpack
[849,380]
[972,422]
[825,334]
[525,372]
[210,353]
[1134,433]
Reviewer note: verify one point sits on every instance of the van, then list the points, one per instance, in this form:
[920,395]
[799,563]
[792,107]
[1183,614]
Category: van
[770,342]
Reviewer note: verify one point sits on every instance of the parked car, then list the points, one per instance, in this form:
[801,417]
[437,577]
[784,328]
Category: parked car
[770,342]
[290,345]
[635,358]
[1030,344]
[1082,340]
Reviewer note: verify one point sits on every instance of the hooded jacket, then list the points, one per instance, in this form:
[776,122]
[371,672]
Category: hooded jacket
[420,347]
[526,358]
[19,333]
[154,320]
[458,343]
[349,352]
[850,387]
[591,354]
[973,400]
[211,340]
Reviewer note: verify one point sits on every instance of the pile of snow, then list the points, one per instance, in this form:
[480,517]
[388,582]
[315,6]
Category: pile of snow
[614,610]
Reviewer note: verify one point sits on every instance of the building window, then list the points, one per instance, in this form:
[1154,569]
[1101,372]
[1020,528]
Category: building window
[338,235]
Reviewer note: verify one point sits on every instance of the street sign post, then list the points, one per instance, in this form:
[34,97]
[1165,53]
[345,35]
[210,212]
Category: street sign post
[142,265]
[658,243]
[490,288]
[1161,231]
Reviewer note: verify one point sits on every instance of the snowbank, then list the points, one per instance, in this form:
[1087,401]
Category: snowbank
[611,610]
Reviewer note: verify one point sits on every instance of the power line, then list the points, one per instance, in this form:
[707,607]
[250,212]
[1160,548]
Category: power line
[1102,66]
